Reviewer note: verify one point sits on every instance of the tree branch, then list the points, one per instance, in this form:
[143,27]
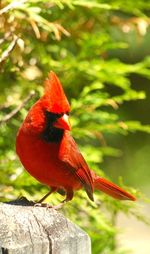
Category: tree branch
[7,52]
[13,5]
[6,36]
[16,110]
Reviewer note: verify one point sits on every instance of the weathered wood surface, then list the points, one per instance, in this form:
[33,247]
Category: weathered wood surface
[25,229]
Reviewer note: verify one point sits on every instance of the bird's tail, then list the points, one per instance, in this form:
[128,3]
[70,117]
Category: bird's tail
[111,189]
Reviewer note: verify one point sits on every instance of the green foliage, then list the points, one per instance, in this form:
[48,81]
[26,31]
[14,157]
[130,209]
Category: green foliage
[76,40]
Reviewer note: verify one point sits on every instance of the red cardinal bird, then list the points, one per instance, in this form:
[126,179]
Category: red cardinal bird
[50,154]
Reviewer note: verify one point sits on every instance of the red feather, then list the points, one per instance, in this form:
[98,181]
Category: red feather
[54,99]
[111,189]
[70,154]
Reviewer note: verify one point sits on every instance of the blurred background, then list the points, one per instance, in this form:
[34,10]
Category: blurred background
[100,51]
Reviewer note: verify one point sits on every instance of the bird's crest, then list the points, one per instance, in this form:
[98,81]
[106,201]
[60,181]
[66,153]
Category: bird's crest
[54,97]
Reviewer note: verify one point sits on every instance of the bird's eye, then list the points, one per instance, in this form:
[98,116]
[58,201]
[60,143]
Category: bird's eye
[67,113]
[59,115]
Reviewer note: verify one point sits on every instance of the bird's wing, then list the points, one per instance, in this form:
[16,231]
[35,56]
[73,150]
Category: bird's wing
[69,153]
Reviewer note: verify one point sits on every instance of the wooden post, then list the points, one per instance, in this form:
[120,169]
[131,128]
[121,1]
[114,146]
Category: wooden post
[25,229]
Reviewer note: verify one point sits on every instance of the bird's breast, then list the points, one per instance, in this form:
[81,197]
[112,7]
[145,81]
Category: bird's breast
[41,160]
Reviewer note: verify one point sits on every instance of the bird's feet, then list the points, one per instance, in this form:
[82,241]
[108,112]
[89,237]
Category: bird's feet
[56,207]
[43,205]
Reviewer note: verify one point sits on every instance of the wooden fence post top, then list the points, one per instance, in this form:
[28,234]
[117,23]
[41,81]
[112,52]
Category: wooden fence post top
[25,229]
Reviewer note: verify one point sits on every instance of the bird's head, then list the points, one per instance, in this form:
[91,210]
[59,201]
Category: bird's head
[55,103]
[49,116]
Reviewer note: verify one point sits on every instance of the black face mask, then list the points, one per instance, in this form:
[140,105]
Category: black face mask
[51,133]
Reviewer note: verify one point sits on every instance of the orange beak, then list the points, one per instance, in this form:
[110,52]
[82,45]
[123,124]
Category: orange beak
[63,123]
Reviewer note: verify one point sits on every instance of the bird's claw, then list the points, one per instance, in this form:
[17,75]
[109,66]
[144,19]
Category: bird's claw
[56,207]
[59,206]
[43,205]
